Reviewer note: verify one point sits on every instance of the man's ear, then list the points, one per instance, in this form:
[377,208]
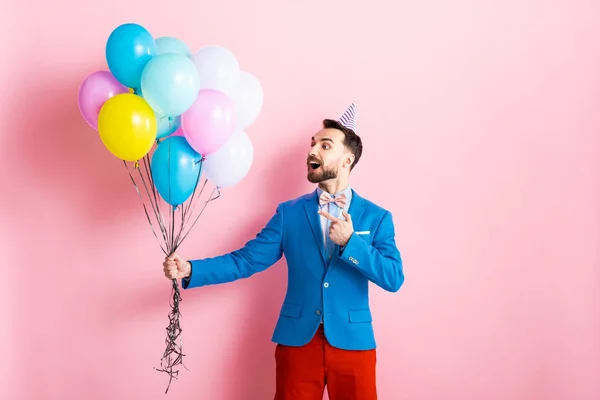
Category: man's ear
[349,159]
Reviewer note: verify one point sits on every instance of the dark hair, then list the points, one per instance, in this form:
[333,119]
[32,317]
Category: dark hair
[351,139]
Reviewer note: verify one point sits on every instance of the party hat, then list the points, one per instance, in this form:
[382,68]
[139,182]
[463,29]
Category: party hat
[348,118]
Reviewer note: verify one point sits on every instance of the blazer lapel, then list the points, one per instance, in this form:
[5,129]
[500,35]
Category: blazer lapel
[311,206]
[357,206]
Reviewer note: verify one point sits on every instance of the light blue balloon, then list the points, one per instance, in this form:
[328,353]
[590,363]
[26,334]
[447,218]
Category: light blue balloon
[165,125]
[167,44]
[176,169]
[170,83]
[128,50]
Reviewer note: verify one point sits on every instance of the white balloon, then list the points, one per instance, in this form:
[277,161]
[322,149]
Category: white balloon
[248,98]
[230,164]
[218,68]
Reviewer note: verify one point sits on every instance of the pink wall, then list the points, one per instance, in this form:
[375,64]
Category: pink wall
[481,127]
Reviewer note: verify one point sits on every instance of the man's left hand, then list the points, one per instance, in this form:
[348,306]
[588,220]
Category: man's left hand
[339,230]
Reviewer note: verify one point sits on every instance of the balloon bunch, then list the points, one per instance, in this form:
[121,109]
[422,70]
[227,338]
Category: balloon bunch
[174,115]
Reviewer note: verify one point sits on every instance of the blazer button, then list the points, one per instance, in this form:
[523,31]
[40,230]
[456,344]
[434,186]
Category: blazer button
[326,284]
[318,312]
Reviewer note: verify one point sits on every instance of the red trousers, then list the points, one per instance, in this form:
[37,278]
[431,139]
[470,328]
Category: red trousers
[303,372]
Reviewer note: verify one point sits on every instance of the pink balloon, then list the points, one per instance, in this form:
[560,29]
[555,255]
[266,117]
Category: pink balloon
[209,122]
[95,89]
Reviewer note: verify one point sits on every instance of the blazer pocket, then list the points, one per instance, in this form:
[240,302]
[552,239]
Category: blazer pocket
[358,316]
[290,310]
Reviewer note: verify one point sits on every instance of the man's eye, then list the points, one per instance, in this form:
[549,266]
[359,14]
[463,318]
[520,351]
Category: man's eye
[325,146]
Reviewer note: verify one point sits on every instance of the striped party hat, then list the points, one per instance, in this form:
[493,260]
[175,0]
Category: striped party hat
[348,118]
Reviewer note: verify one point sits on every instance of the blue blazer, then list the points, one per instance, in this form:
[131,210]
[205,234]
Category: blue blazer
[335,292]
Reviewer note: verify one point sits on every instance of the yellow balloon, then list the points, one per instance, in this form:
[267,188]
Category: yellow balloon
[127,126]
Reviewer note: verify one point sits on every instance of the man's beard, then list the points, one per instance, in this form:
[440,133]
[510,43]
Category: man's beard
[322,174]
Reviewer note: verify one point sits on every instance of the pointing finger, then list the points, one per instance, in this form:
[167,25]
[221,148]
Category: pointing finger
[328,216]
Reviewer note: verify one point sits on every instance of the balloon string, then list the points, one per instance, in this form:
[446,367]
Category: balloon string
[156,197]
[171,214]
[173,354]
[155,207]
[218,194]
[186,209]
[173,235]
[144,205]
[189,205]
[172,224]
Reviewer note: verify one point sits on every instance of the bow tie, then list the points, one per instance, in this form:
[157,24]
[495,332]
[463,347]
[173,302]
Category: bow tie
[326,198]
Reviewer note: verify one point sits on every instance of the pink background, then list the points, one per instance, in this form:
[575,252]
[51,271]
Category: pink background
[481,128]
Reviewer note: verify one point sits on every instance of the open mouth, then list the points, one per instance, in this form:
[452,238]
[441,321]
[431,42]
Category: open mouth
[314,165]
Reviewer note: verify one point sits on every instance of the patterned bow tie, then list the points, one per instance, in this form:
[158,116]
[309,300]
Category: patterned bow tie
[326,198]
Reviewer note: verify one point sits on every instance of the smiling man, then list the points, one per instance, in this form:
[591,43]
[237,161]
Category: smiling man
[335,242]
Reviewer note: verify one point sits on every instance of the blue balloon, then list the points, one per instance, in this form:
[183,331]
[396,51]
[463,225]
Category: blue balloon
[176,169]
[167,44]
[128,50]
[170,83]
[165,125]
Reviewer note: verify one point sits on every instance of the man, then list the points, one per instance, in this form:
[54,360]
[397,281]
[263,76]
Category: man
[334,242]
